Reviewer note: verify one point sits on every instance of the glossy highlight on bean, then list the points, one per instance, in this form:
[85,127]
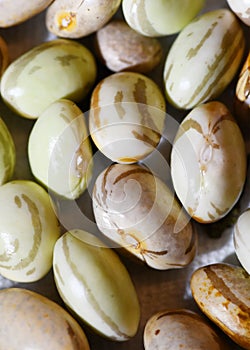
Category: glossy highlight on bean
[102,294]
[28,231]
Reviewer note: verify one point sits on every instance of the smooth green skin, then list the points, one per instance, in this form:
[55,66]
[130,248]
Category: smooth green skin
[95,285]
[59,149]
[7,153]
[160,17]
[56,69]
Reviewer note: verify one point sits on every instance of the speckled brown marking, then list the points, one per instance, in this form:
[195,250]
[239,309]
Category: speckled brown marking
[89,295]
[118,104]
[222,288]
[37,236]
[193,51]
[131,172]
[95,107]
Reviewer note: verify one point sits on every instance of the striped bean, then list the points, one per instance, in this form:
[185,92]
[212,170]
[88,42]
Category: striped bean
[203,59]
[127,116]
[137,211]
[222,293]
[242,9]
[95,285]
[52,70]
[159,18]
[28,231]
[208,162]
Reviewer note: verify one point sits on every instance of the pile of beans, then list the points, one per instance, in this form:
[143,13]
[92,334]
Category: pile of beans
[123,140]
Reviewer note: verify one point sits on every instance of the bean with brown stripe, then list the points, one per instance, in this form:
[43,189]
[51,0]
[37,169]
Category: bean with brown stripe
[177,329]
[137,211]
[222,292]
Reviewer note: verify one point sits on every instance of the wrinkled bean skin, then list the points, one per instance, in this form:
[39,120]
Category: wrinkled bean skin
[136,54]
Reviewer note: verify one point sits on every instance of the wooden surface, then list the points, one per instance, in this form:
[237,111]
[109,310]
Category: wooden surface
[157,290]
